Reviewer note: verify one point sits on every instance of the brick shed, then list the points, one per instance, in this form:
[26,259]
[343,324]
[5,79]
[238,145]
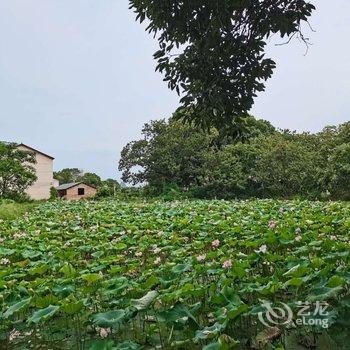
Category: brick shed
[75,191]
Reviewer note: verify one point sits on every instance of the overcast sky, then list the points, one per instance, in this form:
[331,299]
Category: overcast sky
[77,78]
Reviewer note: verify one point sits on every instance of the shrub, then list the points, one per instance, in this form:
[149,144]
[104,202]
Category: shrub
[53,193]
[104,192]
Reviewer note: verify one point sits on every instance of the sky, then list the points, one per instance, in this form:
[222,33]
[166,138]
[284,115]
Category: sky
[78,81]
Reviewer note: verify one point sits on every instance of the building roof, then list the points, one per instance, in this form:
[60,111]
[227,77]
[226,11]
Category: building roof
[24,145]
[34,150]
[70,185]
[66,186]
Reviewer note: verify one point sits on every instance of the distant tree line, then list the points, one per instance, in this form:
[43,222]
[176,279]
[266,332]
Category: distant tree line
[260,161]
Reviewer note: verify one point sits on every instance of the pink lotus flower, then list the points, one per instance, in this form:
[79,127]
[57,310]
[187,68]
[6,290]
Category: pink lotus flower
[201,258]
[215,244]
[104,332]
[227,264]
[272,224]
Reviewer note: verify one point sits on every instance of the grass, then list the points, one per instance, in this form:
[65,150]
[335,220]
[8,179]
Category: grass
[10,210]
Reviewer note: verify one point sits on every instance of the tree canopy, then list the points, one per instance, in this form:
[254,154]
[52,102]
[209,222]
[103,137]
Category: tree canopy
[91,179]
[16,170]
[212,51]
[270,163]
[68,175]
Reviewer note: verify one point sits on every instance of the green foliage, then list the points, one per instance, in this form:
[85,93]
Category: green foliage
[112,184]
[53,193]
[338,171]
[91,179]
[177,160]
[146,274]
[334,152]
[278,166]
[16,171]
[222,176]
[43,314]
[68,175]
[108,188]
[103,192]
[169,154]
[10,209]
[212,52]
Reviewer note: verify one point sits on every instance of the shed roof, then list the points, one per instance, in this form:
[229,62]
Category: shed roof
[70,185]
[66,186]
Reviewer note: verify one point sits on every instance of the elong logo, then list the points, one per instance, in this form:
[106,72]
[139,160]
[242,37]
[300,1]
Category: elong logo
[308,315]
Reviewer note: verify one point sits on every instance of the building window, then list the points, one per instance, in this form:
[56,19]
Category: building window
[81,191]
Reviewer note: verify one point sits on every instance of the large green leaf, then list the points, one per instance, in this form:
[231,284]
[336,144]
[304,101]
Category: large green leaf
[102,345]
[209,332]
[17,307]
[43,314]
[179,314]
[113,318]
[127,345]
[180,268]
[91,277]
[68,270]
[324,293]
[71,307]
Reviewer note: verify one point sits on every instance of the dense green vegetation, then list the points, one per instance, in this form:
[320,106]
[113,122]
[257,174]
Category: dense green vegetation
[181,274]
[10,210]
[16,171]
[259,162]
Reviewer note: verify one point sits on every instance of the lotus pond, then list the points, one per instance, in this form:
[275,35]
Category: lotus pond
[176,275]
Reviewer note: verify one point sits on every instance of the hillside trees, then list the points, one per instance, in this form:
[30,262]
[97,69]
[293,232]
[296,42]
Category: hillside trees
[212,52]
[16,171]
